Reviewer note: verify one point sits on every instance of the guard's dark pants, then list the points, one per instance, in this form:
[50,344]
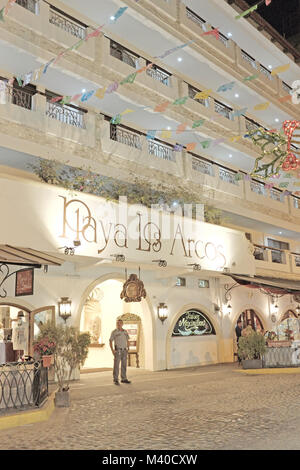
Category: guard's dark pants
[120,355]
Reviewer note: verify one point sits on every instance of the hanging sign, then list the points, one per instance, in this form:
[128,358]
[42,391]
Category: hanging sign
[133,289]
[193,323]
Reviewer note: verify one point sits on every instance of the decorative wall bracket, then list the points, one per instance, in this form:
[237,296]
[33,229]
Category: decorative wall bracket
[5,271]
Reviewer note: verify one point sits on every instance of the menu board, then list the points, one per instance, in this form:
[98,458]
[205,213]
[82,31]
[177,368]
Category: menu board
[133,333]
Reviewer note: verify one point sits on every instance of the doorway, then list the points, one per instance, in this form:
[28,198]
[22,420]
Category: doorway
[101,309]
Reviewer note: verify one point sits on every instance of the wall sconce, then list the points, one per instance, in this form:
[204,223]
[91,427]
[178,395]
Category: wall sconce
[64,308]
[276,309]
[229,308]
[298,310]
[162,311]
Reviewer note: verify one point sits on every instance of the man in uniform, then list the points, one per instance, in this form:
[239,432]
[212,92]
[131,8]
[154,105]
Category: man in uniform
[120,338]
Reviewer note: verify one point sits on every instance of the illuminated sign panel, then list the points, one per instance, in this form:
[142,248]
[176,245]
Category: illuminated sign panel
[193,323]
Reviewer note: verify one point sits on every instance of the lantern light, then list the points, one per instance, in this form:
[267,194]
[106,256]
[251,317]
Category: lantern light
[64,308]
[162,311]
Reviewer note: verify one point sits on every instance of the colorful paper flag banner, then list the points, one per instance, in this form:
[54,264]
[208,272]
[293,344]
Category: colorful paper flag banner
[198,123]
[239,112]
[118,14]
[150,135]
[262,106]
[280,69]
[227,86]
[190,147]
[250,10]
[203,95]
[250,77]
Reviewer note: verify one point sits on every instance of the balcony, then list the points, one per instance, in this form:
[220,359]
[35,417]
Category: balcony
[159,75]
[273,259]
[257,187]
[30,5]
[126,136]
[227,175]
[250,60]
[276,195]
[196,18]
[67,114]
[203,166]
[192,91]
[67,23]
[123,54]
[222,109]
[161,150]
[19,96]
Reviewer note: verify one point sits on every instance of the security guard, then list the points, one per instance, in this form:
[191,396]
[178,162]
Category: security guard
[120,338]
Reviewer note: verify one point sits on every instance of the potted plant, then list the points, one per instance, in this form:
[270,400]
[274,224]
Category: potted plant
[45,349]
[71,350]
[251,347]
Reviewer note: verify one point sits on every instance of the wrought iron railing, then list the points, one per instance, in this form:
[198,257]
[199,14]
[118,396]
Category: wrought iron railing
[286,87]
[192,92]
[30,5]
[258,188]
[202,166]
[22,384]
[221,108]
[223,39]
[276,194]
[19,97]
[265,71]
[297,260]
[248,58]
[281,357]
[251,125]
[227,175]
[161,150]
[194,17]
[66,114]
[126,56]
[125,136]
[159,75]
[68,25]
[277,256]
[296,202]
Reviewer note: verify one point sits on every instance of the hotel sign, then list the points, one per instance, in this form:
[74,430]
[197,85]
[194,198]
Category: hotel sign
[193,323]
[48,217]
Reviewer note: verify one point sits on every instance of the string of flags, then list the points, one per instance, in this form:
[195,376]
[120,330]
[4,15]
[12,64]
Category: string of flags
[253,8]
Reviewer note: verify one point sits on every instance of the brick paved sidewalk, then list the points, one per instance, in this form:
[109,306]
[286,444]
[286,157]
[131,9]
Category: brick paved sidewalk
[214,407]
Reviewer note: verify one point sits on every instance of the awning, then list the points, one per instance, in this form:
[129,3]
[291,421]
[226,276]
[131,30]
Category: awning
[26,257]
[269,284]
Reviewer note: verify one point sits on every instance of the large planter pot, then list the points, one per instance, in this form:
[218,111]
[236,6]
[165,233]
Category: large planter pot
[62,399]
[252,363]
[47,360]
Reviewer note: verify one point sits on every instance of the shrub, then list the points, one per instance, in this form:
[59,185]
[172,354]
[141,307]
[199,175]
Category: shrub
[252,346]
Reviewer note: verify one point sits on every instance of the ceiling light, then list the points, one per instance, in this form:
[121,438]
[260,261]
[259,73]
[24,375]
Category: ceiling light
[230,155]
[270,66]
[236,95]
[83,90]
[168,128]
[280,233]
[229,35]
[276,120]
[112,18]
[179,59]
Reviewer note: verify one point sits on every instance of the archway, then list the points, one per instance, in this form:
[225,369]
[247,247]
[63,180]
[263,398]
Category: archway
[100,307]
[197,344]
[248,317]
[8,319]
[288,327]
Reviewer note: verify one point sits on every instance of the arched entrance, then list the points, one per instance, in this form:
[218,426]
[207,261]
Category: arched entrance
[193,339]
[101,308]
[250,317]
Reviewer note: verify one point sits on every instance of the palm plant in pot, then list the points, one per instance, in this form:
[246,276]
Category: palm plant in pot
[251,348]
[71,350]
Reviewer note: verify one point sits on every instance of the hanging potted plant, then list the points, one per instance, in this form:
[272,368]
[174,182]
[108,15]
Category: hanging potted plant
[251,347]
[45,349]
[71,350]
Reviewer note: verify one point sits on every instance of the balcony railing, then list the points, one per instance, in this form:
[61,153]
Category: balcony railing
[221,108]
[159,75]
[194,17]
[265,71]
[297,259]
[30,5]
[67,24]
[123,54]
[161,150]
[258,188]
[19,97]
[276,194]
[202,166]
[67,114]
[277,256]
[223,39]
[260,253]
[227,175]
[248,58]
[251,125]
[192,92]
[296,202]
[125,136]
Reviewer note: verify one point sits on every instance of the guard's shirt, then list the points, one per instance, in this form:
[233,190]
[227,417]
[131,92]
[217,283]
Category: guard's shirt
[120,337]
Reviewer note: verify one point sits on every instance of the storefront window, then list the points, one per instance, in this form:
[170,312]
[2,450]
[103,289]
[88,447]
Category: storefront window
[288,328]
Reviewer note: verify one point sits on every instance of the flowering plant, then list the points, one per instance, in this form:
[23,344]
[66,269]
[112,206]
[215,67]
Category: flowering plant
[44,347]
[289,334]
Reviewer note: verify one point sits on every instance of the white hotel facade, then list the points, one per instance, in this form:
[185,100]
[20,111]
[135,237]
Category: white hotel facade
[258,242]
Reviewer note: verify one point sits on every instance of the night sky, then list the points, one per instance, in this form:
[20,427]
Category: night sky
[283,15]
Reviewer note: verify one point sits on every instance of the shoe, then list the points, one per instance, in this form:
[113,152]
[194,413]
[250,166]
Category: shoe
[116,382]
[126,381]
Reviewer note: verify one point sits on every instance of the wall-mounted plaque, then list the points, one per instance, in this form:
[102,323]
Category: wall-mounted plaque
[24,282]
[193,323]
[133,289]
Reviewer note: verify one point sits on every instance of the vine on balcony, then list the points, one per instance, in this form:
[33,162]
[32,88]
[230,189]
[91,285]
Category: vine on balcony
[139,191]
